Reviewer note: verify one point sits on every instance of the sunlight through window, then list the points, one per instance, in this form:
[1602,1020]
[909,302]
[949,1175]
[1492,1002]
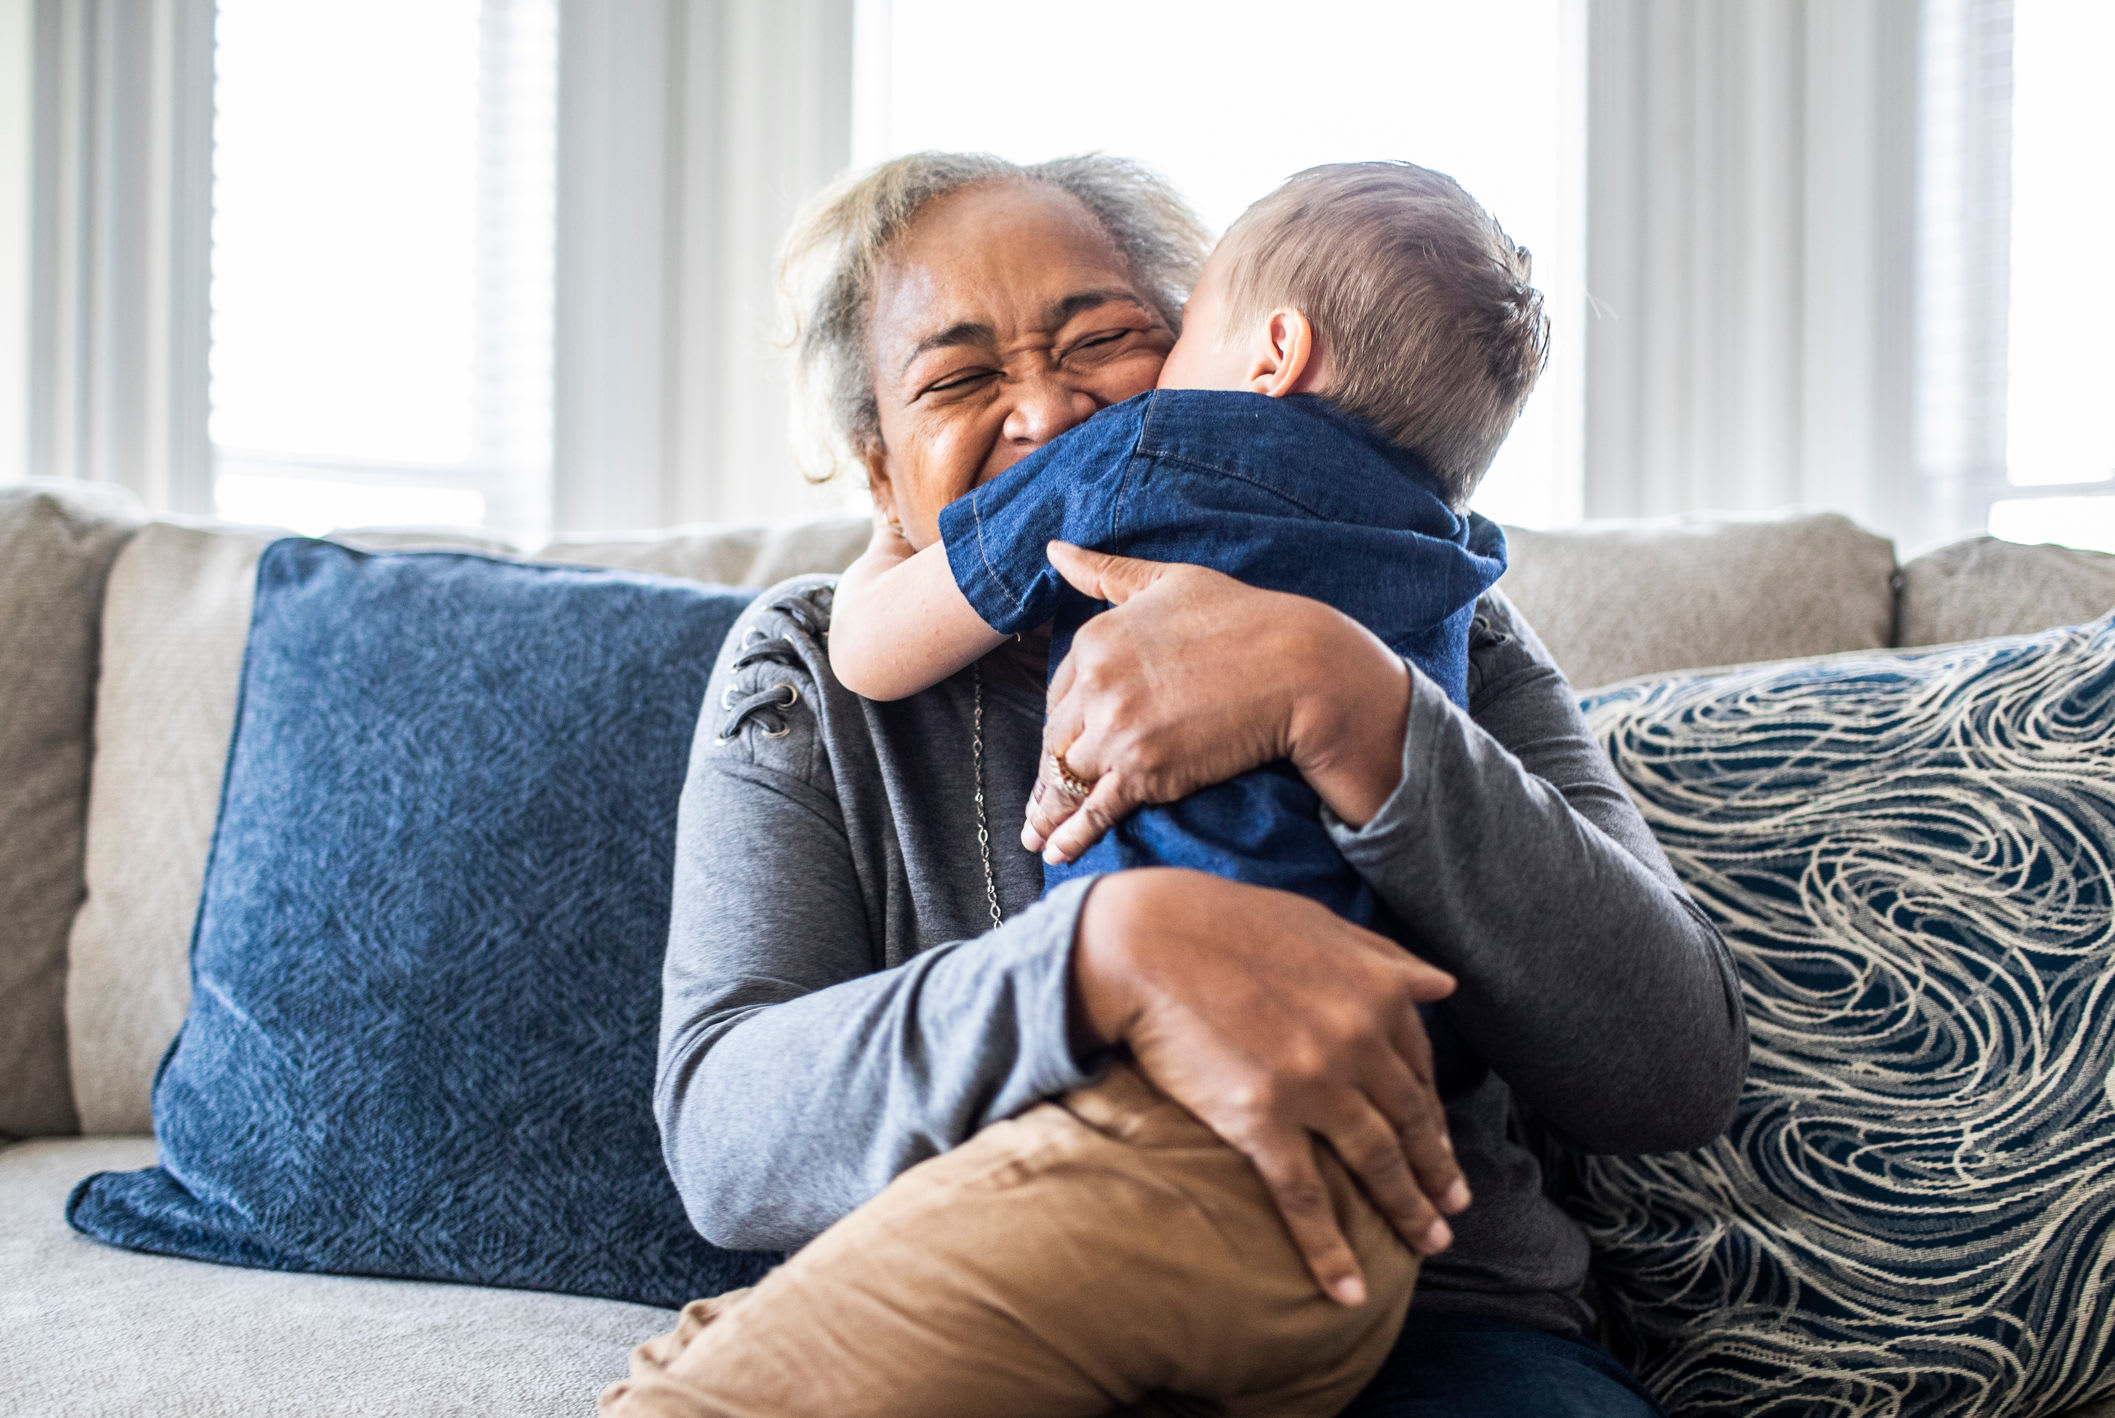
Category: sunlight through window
[2061,361]
[382,184]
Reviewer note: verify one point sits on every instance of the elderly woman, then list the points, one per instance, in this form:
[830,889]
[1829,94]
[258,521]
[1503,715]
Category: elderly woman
[863,971]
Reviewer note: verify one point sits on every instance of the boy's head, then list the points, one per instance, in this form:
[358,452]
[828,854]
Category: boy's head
[1386,288]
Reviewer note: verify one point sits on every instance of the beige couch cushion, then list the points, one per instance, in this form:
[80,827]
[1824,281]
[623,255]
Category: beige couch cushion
[729,556]
[96,1331]
[57,541]
[1616,599]
[423,539]
[1984,587]
[174,623]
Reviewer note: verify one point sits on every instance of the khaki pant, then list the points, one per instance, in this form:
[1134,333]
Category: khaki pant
[1102,1253]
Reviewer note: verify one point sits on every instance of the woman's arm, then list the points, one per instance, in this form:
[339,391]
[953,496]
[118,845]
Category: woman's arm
[1587,977]
[796,1076]
[900,623]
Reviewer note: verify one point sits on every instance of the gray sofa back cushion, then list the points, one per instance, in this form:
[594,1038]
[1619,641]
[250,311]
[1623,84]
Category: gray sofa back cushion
[174,624]
[1612,600]
[1617,599]
[761,555]
[1983,587]
[56,544]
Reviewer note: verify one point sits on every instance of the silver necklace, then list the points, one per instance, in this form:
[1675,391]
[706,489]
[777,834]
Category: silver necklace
[976,759]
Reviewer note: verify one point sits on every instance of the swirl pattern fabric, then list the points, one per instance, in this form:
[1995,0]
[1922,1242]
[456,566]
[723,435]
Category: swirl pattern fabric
[1912,857]
[426,973]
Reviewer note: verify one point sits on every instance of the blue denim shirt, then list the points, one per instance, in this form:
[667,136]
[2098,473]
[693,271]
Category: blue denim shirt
[1285,494]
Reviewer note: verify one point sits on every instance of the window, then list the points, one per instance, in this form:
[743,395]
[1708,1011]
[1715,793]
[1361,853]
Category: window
[2059,432]
[1228,98]
[383,179]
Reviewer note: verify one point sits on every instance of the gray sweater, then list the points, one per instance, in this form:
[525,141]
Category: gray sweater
[837,1006]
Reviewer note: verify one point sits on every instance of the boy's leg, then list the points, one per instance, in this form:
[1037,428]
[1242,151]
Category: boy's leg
[1099,1253]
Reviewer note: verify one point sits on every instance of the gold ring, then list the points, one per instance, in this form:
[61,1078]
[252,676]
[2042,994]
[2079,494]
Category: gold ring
[1070,783]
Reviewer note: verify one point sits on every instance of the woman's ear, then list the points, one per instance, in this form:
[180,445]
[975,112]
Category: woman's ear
[1288,358]
[875,459]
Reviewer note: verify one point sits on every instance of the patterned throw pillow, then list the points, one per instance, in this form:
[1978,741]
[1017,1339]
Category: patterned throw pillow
[426,974]
[1913,859]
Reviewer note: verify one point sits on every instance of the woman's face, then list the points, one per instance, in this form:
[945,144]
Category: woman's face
[1003,317]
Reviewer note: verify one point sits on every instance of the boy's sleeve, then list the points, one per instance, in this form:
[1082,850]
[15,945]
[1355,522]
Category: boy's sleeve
[1067,490]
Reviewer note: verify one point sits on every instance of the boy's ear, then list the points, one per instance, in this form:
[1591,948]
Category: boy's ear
[1288,358]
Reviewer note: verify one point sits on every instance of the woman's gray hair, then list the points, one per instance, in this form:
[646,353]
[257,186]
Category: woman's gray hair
[837,243]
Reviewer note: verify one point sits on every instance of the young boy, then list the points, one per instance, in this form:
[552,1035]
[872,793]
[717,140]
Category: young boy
[1355,350]
[1290,444]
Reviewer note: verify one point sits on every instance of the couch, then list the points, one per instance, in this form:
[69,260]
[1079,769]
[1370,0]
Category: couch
[121,638]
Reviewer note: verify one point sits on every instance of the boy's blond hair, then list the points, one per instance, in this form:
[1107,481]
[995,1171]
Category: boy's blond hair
[1420,300]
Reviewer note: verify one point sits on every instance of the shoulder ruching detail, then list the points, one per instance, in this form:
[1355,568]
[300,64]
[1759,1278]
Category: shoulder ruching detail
[767,687]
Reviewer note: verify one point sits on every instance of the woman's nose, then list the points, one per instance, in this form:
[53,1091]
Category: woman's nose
[1044,406]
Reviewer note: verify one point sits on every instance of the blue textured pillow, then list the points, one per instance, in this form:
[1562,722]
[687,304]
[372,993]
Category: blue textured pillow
[1914,1212]
[427,966]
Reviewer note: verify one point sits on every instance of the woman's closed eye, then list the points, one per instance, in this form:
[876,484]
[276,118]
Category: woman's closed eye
[1099,345]
[956,381]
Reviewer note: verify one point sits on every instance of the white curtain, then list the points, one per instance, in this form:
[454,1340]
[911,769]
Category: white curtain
[689,132]
[121,224]
[1751,200]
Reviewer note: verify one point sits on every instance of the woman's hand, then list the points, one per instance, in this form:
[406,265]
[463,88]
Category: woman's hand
[1194,678]
[1278,1023]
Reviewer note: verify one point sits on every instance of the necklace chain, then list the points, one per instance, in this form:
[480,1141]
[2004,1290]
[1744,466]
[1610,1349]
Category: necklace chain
[976,759]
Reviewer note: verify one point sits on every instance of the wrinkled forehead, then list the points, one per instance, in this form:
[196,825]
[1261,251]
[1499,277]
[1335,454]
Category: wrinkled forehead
[996,263]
